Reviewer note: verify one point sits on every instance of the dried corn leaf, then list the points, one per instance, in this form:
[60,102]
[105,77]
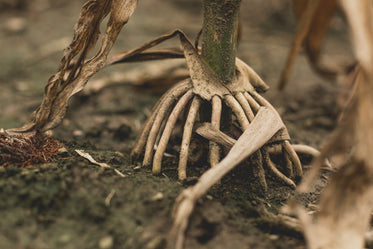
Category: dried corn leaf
[66,83]
[360,17]
[319,26]
[345,205]
[87,156]
[314,18]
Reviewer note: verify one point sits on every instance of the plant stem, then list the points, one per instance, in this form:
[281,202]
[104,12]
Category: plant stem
[219,45]
[219,37]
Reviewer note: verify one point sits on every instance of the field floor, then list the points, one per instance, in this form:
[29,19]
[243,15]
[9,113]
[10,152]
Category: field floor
[70,203]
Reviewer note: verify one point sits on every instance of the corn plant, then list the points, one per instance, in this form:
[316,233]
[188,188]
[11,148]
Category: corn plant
[229,90]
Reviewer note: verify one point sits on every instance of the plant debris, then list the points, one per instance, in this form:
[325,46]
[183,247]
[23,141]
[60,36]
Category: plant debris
[102,165]
[25,151]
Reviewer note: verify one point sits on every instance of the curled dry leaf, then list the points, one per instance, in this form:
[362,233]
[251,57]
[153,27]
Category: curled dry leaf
[68,81]
[102,165]
[314,17]
[346,204]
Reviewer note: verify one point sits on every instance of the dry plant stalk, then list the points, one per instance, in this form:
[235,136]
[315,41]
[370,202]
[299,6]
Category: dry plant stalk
[314,17]
[24,151]
[71,79]
[87,156]
[346,204]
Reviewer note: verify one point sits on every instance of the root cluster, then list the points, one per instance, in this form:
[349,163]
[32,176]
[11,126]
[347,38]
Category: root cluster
[244,105]
[24,151]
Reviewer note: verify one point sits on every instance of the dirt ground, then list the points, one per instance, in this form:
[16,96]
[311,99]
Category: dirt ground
[71,203]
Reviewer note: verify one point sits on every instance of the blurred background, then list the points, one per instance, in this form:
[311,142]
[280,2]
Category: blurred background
[70,203]
[34,33]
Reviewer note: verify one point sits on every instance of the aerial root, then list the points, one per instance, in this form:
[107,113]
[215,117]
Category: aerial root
[302,149]
[179,107]
[164,107]
[288,164]
[166,100]
[305,149]
[214,155]
[258,170]
[188,128]
[298,171]
[238,111]
[245,105]
[252,102]
[273,169]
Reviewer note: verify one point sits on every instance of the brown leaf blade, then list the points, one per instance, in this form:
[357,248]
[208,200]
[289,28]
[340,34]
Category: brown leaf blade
[314,17]
[66,83]
[346,203]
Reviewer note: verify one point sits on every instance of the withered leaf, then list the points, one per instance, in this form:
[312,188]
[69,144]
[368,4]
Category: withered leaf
[360,18]
[66,83]
[314,17]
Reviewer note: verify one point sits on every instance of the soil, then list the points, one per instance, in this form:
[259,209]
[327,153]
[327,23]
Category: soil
[71,203]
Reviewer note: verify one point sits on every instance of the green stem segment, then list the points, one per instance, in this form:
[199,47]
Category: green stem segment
[219,37]
[219,45]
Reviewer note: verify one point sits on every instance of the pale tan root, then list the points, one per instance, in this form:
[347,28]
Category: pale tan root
[258,171]
[254,105]
[263,127]
[214,156]
[141,140]
[160,114]
[300,35]
[272,169]
[278,149]
[238,111]
[188,129]
[245,105]
[302,149]
[308,150]
[241,115]
[179,107]
[298,171]
[288,163]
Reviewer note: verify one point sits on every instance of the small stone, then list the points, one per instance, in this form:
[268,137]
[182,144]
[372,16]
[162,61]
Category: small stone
[157,197]
[48,133]
[106,242]
[273,237]
[137,167]
[78,133]
[62,151]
